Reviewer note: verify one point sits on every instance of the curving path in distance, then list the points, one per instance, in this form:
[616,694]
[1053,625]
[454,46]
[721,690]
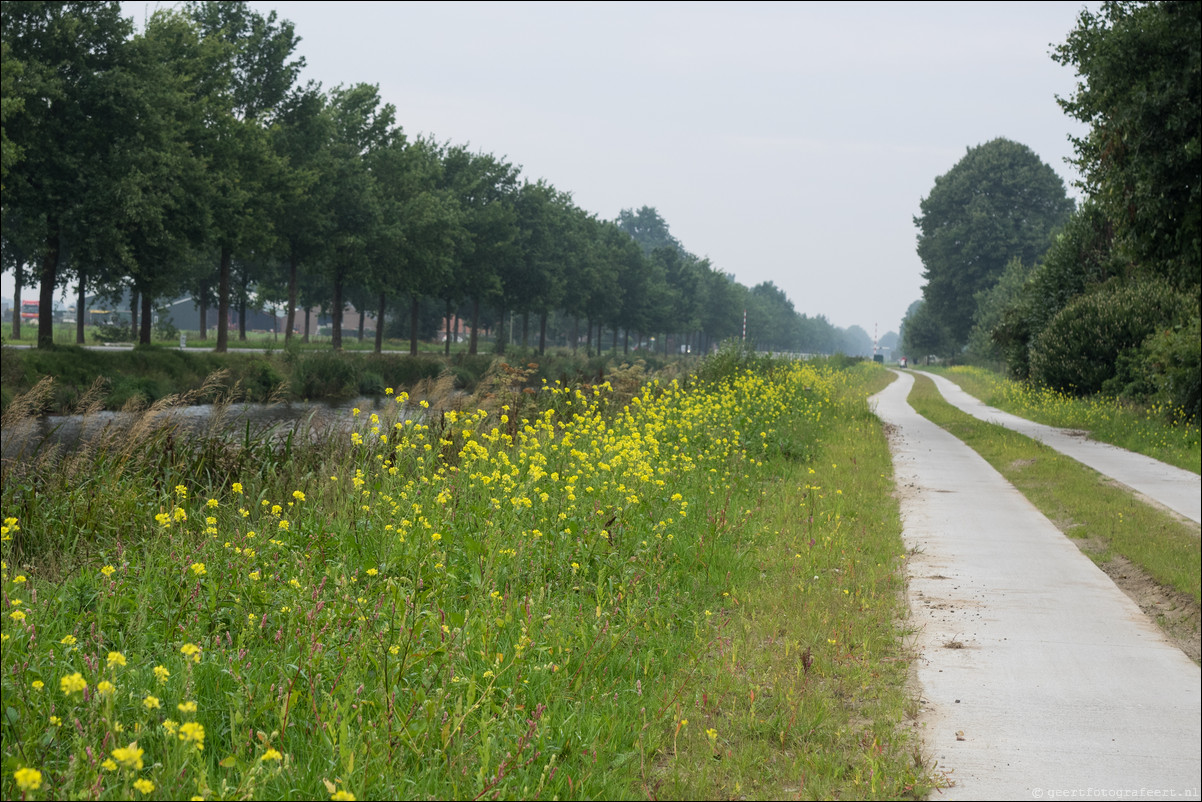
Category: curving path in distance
[1038,676]
[1172,487]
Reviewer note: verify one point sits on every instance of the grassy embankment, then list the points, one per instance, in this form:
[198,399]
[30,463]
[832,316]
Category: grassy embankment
[150,374]
[1153,430]
[674,589]
[1106,520]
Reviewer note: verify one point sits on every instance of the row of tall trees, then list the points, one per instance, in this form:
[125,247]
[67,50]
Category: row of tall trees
[187,159]
[1110,302]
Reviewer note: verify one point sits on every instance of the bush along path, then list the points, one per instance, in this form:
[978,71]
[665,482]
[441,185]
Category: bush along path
[1037,673]
[530,599]
[1177,489]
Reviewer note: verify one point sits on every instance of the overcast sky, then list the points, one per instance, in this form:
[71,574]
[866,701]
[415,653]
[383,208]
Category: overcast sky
[786,142]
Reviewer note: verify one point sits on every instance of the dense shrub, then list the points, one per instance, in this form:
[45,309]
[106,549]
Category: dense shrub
[1082,347]
[1174,362]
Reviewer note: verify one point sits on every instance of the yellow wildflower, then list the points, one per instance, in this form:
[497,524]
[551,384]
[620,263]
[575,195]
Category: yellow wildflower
[28,779]
[191,732]
[116,659]
[130,757]
[72,683]
[144,785]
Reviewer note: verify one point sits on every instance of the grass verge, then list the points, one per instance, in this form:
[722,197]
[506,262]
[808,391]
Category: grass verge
[801,691]
[1113,527]
[525,597]
[1156,431]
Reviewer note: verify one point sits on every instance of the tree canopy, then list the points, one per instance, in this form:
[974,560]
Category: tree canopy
[1140,91]
[185,160]
[998,203]
[1114,304]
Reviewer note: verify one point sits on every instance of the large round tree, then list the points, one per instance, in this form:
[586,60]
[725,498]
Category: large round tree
[998,203]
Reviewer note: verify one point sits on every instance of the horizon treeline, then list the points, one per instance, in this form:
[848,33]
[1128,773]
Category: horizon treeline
[188,160]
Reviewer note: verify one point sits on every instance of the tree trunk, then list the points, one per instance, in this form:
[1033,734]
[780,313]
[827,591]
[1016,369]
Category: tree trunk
[305,337]
[542,333]
[626,342]
[588,338]
[133,314]
[203,303]
[413,310]
[575,333]
[79,311]
[380,325]
[472,341]
[46,293]
[446,324]
[144,331]
[223,301]
[501,338]
[336,321]
[243,279]
[615,348]
[291,318]
[18,281]
[525,329]
[362,319]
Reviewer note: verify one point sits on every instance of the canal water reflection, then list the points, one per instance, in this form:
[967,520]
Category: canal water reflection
[25,439]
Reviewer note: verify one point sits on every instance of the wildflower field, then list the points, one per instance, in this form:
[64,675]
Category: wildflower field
[1155,430]
[525,599]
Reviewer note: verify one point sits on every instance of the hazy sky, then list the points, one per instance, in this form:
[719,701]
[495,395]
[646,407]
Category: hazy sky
[786,142]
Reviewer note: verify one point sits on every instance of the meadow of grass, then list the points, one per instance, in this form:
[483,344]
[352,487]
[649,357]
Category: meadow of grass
[1081,502]
[1159,432]
[527,596]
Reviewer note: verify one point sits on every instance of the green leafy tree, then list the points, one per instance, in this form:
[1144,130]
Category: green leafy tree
[1140,91]
[420,226]
[301,138]
[923,334]
[484,187]
[1081,256]
[363,127]
[158,198]
[997,203]
[537,285]
[12,103]
[71,55]
[648,229]
[253,74]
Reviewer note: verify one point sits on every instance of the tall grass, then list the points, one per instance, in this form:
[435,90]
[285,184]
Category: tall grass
[509,598]
[1157,431]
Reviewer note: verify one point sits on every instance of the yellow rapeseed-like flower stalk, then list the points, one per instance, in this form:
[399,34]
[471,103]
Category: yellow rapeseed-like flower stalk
[130,757]
[72,683]
[28,779]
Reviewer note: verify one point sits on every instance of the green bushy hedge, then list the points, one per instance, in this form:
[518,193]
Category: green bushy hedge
[1087,346]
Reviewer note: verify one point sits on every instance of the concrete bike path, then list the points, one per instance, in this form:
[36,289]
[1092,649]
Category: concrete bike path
[1037,674]
[1172,487]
